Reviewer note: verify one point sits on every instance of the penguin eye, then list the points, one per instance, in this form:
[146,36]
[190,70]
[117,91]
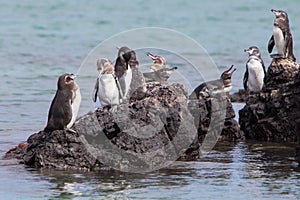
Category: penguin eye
[68,79]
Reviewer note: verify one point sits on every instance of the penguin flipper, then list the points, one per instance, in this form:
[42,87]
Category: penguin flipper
[245,79]
[288,49]
[271,44]
[68,114]
[119,88]
[96,88]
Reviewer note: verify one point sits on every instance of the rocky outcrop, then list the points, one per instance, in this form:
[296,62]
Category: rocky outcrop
[143,134]
[271,115]
[215,112]
[147,133]
[240,96]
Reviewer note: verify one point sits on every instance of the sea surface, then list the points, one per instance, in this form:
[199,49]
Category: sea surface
[40,40]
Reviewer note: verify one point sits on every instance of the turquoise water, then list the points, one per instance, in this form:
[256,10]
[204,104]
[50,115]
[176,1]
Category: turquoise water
[40,40]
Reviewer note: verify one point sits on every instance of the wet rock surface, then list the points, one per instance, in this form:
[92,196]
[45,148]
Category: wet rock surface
[147,133]
[214,112]
[240,96]
[272,114]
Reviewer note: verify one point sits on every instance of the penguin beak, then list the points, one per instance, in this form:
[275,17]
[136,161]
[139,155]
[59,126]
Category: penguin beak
[246,50]
[70,78]
[73,76]
[153,57]
[276,12]
[230,70]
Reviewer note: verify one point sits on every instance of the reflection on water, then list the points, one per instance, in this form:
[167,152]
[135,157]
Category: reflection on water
[243,171]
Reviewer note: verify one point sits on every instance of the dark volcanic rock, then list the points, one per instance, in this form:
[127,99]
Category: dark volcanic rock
[240,96]
[141,135]
[59,149]
[271,114]
[214,112]
[147,133]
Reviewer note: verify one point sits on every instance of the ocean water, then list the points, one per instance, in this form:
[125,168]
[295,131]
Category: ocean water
[40,40]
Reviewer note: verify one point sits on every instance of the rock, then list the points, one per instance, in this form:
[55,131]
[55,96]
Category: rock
[221,118]
[17,152]
[239,96]
[141,135]
[147,133]
[59,149]
[271,114]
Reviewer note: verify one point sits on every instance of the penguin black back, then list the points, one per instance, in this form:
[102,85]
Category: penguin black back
[223,83]
[121,65]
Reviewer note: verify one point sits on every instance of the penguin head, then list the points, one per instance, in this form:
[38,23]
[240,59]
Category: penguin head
[105,66]
[226,75]
[124,53]
[157,59]
[253,51]
[279,14]
[67,81]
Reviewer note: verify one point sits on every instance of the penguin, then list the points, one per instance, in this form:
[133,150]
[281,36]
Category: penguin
[224,84]
[255,71]
[159,71]
[282,36]
[138,84]
[65,105]
[107,86]
[123,71]
[160,76]
[159,62]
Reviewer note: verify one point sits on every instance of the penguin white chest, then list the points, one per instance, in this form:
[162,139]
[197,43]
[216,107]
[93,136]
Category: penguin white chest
[108,91]
[256,75]
[128,79]
[125,81]
[75,106]
[279,39]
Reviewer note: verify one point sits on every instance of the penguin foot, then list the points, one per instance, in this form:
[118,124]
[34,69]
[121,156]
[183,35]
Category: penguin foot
[70,130]
[113,108]
[277,56]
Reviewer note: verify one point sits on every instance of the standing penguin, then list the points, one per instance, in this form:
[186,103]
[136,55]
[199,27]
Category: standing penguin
[159,62]
[123,71]
[224,84]
[106,87]
[255,71]
[282,36]
[65,105]
[138,84]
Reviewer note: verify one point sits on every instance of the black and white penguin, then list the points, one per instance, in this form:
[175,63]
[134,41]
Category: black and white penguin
[159,71]
[160,76]
[123,71]
[107,86]
[138,84]
[159,62]
[224,84]
[282,36]
[65,105]
[255,71]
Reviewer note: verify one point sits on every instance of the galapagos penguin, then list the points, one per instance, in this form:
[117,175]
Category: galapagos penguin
[282,36]
[65,105]
[106,87]
[255,71]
